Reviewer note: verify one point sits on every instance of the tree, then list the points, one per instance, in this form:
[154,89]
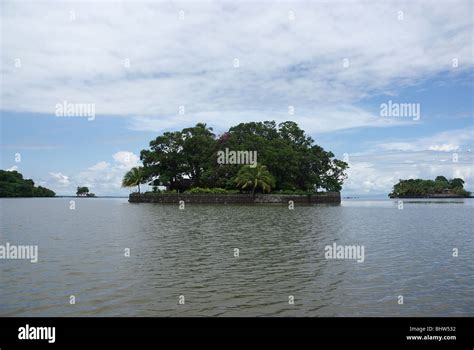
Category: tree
[180,155]
[254,178]
[134,177]
[426,188]
[288,153]
[189,157]
[198,147]
[456,183]
[82,191]
[12,184]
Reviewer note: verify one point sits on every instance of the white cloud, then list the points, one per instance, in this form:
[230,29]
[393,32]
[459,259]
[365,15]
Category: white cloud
[447,147]
[13,168]
[378,176]
[189,62]
[377,170]
[126,160]
[60,179]
[99,166]
[446,141]
[102,178]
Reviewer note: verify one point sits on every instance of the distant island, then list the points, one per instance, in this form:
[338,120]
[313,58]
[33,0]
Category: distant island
[255,158]
[440,187]
[84,192]
[12,184]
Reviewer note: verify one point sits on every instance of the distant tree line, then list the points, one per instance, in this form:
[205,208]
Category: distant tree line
[287,160]
[424,188]
[12,184]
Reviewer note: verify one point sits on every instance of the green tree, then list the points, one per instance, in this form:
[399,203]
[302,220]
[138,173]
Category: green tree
[292,157]
[198,147]
[82,191]
[12,184]
[456,183]
[426,188]
[165,159]
[253,178]
[134,177]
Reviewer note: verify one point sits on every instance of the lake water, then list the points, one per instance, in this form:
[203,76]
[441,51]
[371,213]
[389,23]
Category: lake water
[191,253]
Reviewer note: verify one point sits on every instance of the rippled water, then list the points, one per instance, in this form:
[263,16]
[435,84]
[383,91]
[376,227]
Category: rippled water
[191,252]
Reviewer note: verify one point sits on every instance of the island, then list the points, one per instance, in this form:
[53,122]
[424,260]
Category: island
[254,162]
[83,191]
[12,184]
[440,187]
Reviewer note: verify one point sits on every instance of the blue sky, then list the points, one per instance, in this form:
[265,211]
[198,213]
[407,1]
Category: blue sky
[334,63]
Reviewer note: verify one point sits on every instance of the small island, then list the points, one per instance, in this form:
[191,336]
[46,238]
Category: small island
[83,191]
[440,187]
[12,184]
[255,162]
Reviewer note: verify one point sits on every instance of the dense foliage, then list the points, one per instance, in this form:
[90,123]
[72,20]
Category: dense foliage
[422,188]
[12,184]
[189,158]
[216,190]
[84,192]
[253,178]
[134,177]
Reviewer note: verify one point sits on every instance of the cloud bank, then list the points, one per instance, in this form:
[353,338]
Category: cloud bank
[226,63]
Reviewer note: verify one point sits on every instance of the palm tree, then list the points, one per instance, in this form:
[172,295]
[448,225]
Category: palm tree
[253,178]
[134,177]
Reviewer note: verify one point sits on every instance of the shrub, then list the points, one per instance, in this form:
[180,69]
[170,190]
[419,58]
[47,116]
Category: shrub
[216,190]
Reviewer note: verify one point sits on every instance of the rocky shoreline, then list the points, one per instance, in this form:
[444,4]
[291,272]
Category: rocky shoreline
[239,198]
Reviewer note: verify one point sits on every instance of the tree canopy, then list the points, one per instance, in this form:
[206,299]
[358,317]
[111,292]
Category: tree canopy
[189,158]
[12,184]
[83,191]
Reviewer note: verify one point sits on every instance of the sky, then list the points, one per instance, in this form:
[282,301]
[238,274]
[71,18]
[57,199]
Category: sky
[148,67]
